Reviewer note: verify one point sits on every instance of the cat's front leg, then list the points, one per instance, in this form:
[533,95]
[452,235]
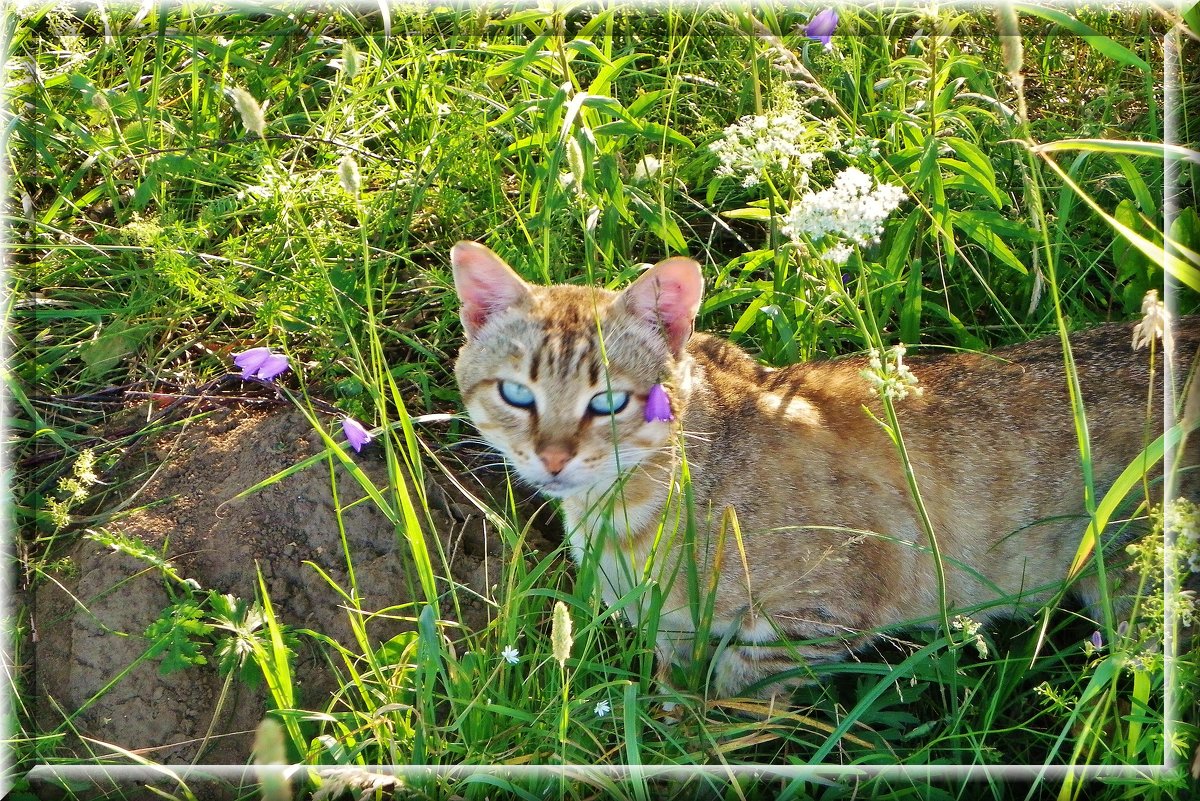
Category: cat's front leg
[766,649]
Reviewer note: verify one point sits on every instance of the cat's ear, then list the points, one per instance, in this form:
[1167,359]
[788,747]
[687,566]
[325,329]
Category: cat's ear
[485,284]
[668,296]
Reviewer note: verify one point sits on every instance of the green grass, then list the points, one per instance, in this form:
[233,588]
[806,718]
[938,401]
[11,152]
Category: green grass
[163,237]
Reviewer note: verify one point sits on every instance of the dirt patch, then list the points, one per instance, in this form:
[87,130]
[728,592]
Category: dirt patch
[90,653]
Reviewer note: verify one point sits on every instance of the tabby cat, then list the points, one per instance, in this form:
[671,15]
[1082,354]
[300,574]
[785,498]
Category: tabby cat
[830,549]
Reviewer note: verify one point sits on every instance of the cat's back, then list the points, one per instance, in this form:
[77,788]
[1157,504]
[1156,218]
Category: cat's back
[995,427]
[803,457]
[1025,381]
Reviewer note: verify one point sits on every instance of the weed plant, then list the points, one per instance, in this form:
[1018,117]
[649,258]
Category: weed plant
[188,183]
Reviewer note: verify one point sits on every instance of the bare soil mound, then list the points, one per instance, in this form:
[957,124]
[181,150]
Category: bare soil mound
[90,652]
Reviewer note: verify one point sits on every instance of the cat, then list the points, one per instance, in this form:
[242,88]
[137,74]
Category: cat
[829,548]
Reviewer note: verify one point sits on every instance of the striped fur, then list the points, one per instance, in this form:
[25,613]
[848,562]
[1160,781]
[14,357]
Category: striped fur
[834,552]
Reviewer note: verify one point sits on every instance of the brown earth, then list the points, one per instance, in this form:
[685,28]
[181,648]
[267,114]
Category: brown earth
[90,619]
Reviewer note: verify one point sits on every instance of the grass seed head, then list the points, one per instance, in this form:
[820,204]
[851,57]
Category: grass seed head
[348,175]
[560,633]
[251,112]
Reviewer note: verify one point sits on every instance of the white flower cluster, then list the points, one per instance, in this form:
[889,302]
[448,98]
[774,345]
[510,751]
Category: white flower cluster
[1183,517]
[853,209]
[839,254]
[646,169]
[893,378]
[862,147]
[782,140]
[1154,321]
[970,628]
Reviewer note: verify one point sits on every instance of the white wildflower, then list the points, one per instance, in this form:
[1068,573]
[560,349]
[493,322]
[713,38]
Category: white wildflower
[1182,518]
[854,209]
[970,628]
[348,175]
[71,487]
[781,140]
[249,109]
[603,708]
[1154,321]
[510,655]
[58,512]
[890,377]
[85,467]
[838,254]
[862,147]
[1185,607]
[646,169]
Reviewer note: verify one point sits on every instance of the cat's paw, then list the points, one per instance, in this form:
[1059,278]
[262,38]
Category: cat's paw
[739,668]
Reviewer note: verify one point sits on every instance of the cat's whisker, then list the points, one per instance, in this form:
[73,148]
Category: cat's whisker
[494,467]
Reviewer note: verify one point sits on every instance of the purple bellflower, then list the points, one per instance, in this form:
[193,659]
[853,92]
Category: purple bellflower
[272,366]
[822,26]
[260,363]
[356,435]
[251,360]
[658,406]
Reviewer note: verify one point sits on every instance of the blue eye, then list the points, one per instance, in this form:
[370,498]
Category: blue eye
[515,394]
[608,402]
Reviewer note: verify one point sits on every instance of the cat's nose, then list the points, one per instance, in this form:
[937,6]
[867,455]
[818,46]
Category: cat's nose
[555,458]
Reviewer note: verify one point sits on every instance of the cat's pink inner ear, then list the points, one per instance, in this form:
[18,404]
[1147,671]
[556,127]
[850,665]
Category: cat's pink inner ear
[668,295]
[485,284]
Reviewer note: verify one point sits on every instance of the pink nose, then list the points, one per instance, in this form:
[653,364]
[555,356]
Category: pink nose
[555,458]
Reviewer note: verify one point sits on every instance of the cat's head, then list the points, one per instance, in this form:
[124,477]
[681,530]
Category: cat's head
[556,378]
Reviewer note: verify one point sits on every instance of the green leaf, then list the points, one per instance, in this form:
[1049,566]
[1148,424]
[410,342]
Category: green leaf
[630,721]
[1131,477]
[179,632]
[1130,261]
[761,215]
[661,221]
[972,180]
[1185,230]
[586,46]
[975,164]
[910,310]
[1192,18]
[533,53]
[604,80]
[534,18]
[1137,184]
[1101,44]
[1156,150]
[644,102]
[1178,268]
[660,133]
[977,225]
